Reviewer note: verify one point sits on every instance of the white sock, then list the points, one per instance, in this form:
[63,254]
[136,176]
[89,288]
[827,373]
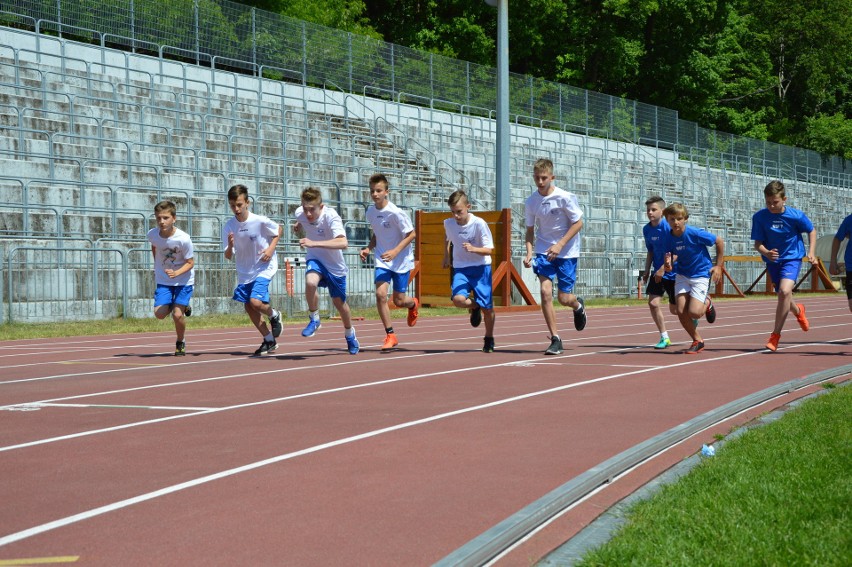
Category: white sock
[665,335]
[269,337]
[350,332]
[275,314]
[315,315]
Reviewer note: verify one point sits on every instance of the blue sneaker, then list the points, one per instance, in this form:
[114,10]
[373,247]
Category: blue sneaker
[353,345]
[312,327]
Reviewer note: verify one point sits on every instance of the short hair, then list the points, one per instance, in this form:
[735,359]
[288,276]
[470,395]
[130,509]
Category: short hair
[237,190]
[655,199]
[167,206]
[379,178]
[676,209]
[543,164]
[774,188]
[457,196]
[312,195]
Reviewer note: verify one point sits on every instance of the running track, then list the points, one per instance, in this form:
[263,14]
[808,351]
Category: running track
[114,452]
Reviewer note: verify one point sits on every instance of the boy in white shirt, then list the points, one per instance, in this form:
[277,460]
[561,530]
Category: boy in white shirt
[325,240]
[173,270]
[554,219]
[392,237]
[251,239]
[472,245]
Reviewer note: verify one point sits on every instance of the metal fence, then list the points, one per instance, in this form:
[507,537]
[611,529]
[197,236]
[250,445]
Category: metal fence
[223,34]
[48,284]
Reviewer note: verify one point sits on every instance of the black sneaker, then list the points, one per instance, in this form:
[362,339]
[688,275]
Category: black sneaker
[710,314]
[697,346]
[188,311]
[180,348]
[266,347]
[555,346]
[475,316]
[275,323]
[489,345]
[580,315]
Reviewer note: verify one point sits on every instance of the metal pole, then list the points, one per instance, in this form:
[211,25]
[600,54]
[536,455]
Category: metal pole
[504,191]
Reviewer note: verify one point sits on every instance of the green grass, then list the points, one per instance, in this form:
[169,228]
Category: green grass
[777,495]
[12,331]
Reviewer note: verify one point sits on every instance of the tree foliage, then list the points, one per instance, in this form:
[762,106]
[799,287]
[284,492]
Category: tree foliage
[779,70]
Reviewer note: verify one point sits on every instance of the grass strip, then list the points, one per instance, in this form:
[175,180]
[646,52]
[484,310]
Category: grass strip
[777,495]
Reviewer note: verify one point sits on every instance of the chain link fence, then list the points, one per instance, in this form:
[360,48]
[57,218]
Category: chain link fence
[227,35]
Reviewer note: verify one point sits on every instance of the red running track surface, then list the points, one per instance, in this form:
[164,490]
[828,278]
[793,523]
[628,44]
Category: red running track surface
[115,452]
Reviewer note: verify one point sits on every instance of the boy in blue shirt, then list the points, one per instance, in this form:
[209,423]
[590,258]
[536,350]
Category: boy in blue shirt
[687,246]
[777,234]
[659,281]
[845,231]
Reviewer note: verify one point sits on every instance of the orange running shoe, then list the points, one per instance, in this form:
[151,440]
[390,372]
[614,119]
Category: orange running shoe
[390,341]
[803,321]
[413,312]
[772,343]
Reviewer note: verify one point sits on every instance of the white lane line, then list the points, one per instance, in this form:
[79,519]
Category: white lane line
[117,406]
[75,518]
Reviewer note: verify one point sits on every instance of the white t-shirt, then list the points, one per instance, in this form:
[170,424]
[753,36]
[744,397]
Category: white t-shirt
[171,254]
[328,226]
[476,232]
[390,225]
[251,238]
[552,216]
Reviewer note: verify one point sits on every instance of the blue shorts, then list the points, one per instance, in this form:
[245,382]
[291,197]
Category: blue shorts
[336,285]
[564,269]
[476,279]
[783,270]
[399,279]
[172,295]
[258,289]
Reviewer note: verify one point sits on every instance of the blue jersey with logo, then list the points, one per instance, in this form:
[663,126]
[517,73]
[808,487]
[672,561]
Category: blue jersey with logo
[693,259]
[782,232]
[654,236]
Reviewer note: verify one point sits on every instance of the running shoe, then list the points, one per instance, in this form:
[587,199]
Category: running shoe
[803,321]
[390,341]
[697,346]
[580,315]
[188,311]
[353,345]
[475,316]
[266,347]
[275,323]
[488,346]
[413,313]
[664,342]
[312,327]
[180,348]
[710,314]
[555,346]
[772,343]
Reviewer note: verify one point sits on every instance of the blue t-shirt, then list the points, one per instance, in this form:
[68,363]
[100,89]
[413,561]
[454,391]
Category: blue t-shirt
[693,259]
[782,232]
[845,231]
[654,243]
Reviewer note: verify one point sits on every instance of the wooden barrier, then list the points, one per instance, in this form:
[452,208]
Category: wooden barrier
[433,285]
[817,273]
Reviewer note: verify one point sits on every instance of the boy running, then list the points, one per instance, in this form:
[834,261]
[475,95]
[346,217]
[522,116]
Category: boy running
[659,281]
[392,237]
[687,246]
[844,232]
[472,245]
[173,270]
[325,241]
[251,239]
[554,219]
[777,234]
